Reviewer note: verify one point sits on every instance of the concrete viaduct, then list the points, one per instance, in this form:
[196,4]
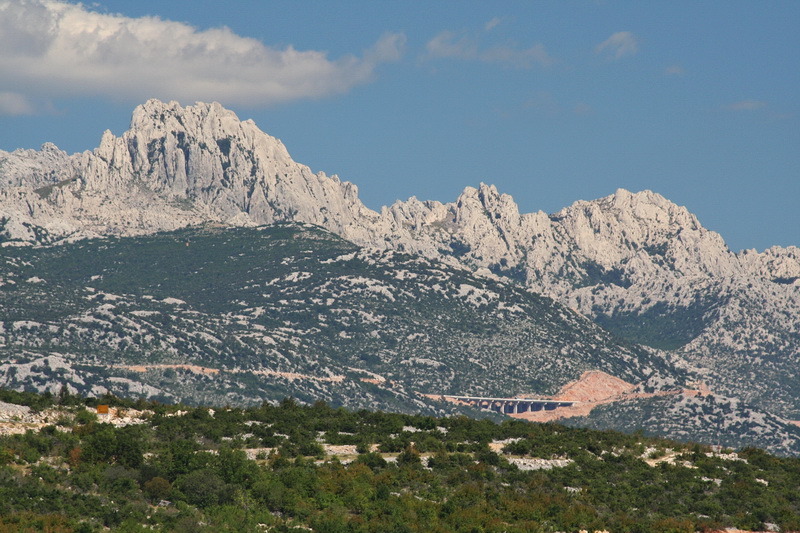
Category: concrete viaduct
[510,405]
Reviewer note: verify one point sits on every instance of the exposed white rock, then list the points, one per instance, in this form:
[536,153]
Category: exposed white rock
[527,463]
[33,168]
[174,167]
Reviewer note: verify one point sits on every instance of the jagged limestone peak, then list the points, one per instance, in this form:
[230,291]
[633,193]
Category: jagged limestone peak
[207,123]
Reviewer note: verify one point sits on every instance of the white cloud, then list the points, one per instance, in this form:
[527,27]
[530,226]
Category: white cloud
[619,45]
[55,49]
[449,45]
[747,105]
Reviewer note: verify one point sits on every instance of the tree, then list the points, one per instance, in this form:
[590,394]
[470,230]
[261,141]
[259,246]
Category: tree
[157,488]
[204,488]
[409,457]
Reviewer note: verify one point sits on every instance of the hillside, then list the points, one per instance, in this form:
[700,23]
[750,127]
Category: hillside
[237,316]
[643,268]
[291,468]
[288,310]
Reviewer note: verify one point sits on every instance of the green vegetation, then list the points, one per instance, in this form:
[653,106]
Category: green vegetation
[289,467]
[660,326]
[293,310]
[288,298]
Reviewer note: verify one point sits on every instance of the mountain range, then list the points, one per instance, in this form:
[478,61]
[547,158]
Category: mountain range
[681,308]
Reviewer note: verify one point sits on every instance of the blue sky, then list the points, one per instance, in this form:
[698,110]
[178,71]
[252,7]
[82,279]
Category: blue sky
[550,101]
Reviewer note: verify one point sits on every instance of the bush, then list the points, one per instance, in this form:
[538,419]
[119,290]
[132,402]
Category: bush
[205,488]
[373,460]
[157,489]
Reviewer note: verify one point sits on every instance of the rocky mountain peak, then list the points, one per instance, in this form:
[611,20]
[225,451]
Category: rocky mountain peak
[175,166]
[776,264]
[644,208]
[210,125]
[624,225]
[485,202]
[179,165]
[36,168]
[167,116]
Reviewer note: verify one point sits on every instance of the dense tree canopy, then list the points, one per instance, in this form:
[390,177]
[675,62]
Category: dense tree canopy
[188,469]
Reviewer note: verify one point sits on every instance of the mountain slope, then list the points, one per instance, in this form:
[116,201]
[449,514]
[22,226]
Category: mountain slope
[710,419]
[242,315]
[636,263]
[643,268]
[291,299]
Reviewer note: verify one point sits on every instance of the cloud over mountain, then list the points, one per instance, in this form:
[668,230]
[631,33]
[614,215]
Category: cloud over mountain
[54,49]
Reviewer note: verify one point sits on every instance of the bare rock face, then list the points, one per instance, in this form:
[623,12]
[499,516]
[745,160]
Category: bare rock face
[624,239]
[776,264]
[32,168]
[635,262]
[174,167]
[594,387]
[177,166]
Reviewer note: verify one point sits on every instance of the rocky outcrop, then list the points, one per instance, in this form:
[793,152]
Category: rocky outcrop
[33,168]
[174,167]
[776,264]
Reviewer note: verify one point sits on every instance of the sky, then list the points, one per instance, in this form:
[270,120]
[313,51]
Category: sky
[551,101]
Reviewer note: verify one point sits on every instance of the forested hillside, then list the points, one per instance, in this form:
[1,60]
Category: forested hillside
[146,466]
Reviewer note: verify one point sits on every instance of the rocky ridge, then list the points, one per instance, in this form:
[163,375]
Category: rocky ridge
[636,263]
[174,167]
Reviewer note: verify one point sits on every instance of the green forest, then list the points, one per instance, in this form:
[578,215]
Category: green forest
[284,467]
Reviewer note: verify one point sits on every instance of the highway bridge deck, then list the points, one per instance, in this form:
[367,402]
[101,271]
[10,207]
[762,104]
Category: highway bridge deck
[510,405]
